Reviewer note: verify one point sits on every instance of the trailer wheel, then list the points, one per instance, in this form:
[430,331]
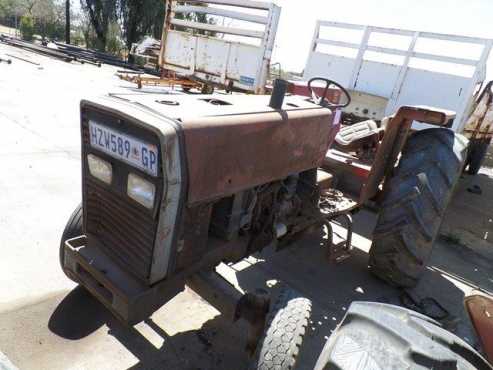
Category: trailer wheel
[414,202]
[284,332]
[72,229]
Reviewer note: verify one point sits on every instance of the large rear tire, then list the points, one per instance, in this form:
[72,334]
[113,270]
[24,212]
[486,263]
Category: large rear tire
[72,229]
[284,332]
[414,202]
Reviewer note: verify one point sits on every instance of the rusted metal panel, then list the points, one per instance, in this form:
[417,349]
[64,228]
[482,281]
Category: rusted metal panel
[480,309]
[126,297]
[350,172]
[363,178]
[232,153]
[301,88]
[193,242]
[479,125]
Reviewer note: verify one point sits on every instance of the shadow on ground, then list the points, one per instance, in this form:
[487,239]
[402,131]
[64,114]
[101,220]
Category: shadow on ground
[469,217]
[219,344]
[216,345]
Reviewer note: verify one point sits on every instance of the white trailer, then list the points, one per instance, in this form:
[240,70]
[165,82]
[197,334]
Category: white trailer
[221,61]
[387,68]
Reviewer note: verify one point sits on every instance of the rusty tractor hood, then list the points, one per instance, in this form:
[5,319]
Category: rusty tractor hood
[234,142]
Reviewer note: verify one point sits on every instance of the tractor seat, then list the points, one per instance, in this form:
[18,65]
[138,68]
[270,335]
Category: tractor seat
[353,137]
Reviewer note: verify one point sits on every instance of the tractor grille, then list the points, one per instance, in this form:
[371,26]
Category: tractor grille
[125,230]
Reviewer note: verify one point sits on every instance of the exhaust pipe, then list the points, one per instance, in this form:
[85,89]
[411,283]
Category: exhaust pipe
[278,92]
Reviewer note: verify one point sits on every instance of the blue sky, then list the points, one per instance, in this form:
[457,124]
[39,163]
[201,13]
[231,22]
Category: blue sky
[462,17]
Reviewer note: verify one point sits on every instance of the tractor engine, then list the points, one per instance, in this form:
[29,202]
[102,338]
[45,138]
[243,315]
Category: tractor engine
[265,213]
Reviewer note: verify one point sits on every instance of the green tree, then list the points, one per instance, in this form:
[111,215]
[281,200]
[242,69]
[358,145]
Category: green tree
[11,11]
[84,31]
[136,18]
[27,27]
[49,18]
[101,13]
[5,8]
[114,42]
[141,17]
[196,17]
[45,17]
[146,17]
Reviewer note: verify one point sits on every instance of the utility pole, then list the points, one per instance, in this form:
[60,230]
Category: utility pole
[67,21]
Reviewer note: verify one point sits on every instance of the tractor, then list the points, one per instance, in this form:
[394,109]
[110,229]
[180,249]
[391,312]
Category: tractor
[173,185]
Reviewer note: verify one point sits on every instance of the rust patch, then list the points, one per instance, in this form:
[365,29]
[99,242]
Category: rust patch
[195,236]
[233,153]
[480,309]
[301,88]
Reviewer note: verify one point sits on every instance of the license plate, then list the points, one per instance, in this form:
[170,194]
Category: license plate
[127,148]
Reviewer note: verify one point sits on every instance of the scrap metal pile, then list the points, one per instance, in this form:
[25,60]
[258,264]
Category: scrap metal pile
[71,53]
[131,72]
[40,49]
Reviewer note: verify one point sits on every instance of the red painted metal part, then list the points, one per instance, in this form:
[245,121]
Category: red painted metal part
[480,309]
[253,149]
[362,178]
[301,88]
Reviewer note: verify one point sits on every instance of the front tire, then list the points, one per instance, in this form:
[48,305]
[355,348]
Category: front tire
[72,230]
[285,329]
[414,202]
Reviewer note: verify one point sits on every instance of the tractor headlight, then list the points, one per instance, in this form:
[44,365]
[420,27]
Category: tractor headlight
[99,168]
[140,190]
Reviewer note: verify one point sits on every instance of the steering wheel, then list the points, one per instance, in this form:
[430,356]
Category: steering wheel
[322,100]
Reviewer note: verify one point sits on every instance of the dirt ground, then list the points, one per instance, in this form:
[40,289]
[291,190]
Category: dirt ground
[46,322]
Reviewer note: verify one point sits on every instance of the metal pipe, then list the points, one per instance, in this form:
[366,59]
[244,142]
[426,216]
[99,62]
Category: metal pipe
[278,92]
[24,60]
